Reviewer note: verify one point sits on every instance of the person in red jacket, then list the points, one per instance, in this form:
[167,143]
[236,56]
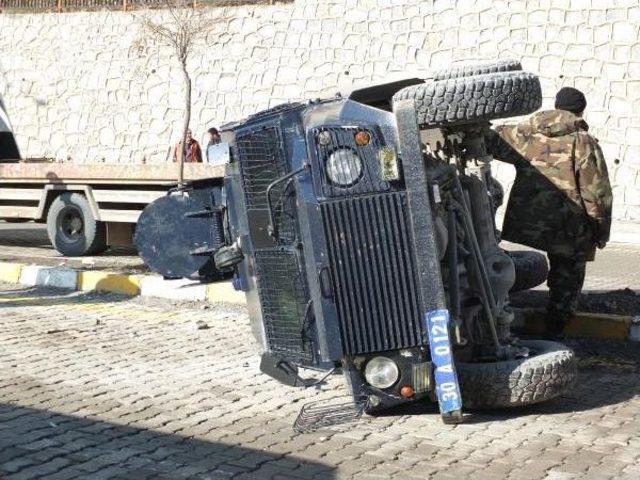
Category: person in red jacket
[192,153]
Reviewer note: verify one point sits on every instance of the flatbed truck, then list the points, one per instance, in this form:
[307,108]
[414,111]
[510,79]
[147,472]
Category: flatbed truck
[86,207]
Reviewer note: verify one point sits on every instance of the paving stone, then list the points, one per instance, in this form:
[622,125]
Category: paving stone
[15,464]
[68,473]
[41,470]
[9,454]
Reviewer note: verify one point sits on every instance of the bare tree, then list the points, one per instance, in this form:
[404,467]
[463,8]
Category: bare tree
[182,29]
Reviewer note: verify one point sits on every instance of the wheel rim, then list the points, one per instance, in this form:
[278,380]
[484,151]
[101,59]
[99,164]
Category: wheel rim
[71,224]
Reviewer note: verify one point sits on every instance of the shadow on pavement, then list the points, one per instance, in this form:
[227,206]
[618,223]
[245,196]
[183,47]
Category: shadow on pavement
[32,236]
[44,297]
[35,235]
[43,444]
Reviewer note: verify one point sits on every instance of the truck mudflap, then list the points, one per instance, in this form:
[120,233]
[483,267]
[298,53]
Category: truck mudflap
[445,376]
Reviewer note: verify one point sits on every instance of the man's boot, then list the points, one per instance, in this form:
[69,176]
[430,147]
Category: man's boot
[555,324]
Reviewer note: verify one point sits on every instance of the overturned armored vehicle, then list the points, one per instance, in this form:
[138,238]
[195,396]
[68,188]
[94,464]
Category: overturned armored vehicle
[362,231]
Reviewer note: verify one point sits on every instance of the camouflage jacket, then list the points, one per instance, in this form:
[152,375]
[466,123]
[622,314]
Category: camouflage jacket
[561,199]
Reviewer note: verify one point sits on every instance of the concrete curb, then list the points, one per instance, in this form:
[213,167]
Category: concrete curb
[132,285]
[49,277]
[585,324]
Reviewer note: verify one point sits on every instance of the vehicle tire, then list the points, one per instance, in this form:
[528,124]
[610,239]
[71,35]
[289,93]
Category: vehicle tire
[550,372]
[72,228]
[477,69]
[531,269]
[479,98]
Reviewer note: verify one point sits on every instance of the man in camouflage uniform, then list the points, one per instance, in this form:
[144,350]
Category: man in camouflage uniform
[561,199]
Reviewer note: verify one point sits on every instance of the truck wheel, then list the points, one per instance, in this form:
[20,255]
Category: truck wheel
[72,228]
[479,98]
[549,372]
[477,69]
[531,269]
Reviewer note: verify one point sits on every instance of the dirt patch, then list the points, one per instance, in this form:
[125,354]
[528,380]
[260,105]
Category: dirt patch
[606,356]
[616,302]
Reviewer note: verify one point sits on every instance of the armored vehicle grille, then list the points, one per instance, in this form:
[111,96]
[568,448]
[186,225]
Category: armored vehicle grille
[284,301]
[262,160]
[373,272]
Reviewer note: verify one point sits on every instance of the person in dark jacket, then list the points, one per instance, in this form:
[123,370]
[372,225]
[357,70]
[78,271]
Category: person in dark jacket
[561,199]
[214,139]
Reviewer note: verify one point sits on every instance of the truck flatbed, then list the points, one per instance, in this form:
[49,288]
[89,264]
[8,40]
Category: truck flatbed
[87,207]
[117,192]
[52,172]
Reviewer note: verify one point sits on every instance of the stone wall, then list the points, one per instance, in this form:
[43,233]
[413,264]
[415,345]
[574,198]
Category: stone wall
[88,87]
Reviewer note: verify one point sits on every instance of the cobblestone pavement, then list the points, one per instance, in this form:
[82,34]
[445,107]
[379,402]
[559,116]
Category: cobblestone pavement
[100,387]
[615,267]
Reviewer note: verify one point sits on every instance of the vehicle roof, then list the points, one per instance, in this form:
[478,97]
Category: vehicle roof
[377,96]
[380,96]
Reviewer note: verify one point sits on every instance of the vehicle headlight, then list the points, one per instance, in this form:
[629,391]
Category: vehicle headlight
[381,372]
[344,167]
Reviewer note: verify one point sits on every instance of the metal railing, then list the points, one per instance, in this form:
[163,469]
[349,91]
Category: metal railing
[30,6]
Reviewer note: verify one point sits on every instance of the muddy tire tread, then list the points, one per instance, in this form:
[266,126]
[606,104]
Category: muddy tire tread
[518,382]
[474,99]
[477,69]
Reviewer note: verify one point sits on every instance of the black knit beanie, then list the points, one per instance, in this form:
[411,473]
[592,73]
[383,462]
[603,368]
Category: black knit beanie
[571,99]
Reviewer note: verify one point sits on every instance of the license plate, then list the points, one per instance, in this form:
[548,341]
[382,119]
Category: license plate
[447,387]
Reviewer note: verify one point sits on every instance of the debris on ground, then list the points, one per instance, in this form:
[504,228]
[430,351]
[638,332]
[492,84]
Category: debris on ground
[616,302]
[607,356]
[200,325]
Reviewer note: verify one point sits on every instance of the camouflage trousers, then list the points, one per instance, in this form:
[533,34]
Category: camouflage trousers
[565,280]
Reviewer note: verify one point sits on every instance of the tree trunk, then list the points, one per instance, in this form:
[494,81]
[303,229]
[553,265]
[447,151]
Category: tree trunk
[187,120]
